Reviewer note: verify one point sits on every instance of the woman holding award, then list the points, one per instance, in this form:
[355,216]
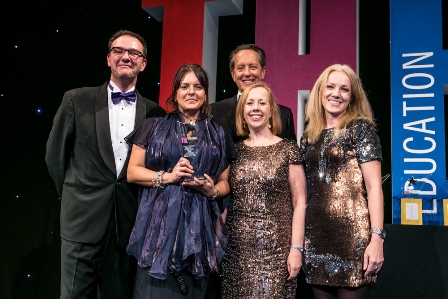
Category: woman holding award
[181,160]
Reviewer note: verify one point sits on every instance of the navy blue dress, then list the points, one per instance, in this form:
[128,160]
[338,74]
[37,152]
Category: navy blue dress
[177,228]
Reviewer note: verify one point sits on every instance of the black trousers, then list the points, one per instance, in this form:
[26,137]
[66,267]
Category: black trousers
[100,270]
[147,287]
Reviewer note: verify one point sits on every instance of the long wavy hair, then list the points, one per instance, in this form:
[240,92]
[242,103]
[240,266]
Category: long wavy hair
[201,74]
[358,108]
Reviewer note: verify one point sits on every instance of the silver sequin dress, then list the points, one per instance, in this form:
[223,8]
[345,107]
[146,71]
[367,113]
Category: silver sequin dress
[337,225]
[259,223]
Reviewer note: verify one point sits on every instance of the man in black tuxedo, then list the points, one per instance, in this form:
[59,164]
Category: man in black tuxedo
[87,159]
[248,66]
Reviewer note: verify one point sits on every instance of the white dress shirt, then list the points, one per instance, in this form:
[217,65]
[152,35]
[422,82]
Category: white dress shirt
[121,121]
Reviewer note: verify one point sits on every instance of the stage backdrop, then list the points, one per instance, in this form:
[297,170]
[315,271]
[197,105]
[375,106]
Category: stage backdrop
[419,71]
[300,45]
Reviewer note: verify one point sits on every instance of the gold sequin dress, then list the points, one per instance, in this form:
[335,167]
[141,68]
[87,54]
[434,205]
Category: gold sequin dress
[337,223]
[259,223]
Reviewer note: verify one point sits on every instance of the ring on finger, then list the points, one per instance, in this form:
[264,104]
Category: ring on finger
[181,164]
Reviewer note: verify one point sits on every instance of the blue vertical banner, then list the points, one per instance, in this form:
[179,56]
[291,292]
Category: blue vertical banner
[419,71]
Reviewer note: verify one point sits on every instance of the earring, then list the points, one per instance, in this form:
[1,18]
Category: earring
[269,126]
[175,100]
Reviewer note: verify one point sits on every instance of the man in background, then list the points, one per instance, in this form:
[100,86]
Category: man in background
[248,66]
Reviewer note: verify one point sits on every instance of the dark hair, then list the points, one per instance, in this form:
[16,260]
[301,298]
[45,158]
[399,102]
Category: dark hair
[120,33]
[203,79]
[260,52]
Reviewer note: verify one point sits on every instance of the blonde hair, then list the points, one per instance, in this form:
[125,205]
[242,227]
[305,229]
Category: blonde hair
[358,108]
[275,121]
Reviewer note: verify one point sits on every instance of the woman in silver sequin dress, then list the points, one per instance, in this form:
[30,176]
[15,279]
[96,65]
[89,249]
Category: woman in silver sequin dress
[266,216]
[344,218]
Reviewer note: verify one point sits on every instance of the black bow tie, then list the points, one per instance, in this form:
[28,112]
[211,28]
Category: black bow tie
[118,96]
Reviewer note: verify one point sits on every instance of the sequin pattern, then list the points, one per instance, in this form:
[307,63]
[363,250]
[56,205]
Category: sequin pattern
[337,225]
[259,223]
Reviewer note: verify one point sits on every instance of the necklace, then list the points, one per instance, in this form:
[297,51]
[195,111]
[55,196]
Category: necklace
[190,126]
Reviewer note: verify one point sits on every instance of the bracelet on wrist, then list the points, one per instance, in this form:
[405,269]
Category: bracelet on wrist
[214,197]
[378,231]
[301,249]
[159,182]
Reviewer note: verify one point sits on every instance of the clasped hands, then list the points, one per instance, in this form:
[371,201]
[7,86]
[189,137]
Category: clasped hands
[183,169]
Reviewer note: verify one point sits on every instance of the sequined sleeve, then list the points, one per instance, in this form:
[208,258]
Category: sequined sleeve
[303,144]
[294,153]
[367,142]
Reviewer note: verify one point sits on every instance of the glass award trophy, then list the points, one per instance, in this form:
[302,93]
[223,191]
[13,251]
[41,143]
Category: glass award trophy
[189,152]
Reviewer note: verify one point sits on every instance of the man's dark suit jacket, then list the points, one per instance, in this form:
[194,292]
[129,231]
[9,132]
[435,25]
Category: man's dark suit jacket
[224,114]
[81,163]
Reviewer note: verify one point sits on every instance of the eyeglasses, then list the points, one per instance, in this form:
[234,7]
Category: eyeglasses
[133,54]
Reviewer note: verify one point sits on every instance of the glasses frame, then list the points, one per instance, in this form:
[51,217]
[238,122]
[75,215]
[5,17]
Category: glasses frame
[134,52]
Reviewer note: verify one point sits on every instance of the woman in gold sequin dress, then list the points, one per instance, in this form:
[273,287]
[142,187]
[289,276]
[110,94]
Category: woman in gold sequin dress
[266,216]
[344,218]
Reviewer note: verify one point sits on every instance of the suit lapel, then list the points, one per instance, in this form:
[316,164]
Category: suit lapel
[103,128]
[140,113]
[231,113]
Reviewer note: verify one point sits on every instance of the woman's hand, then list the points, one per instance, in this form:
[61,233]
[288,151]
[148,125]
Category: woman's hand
[182,169]
[205,186]
[294,263]
[373,256]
